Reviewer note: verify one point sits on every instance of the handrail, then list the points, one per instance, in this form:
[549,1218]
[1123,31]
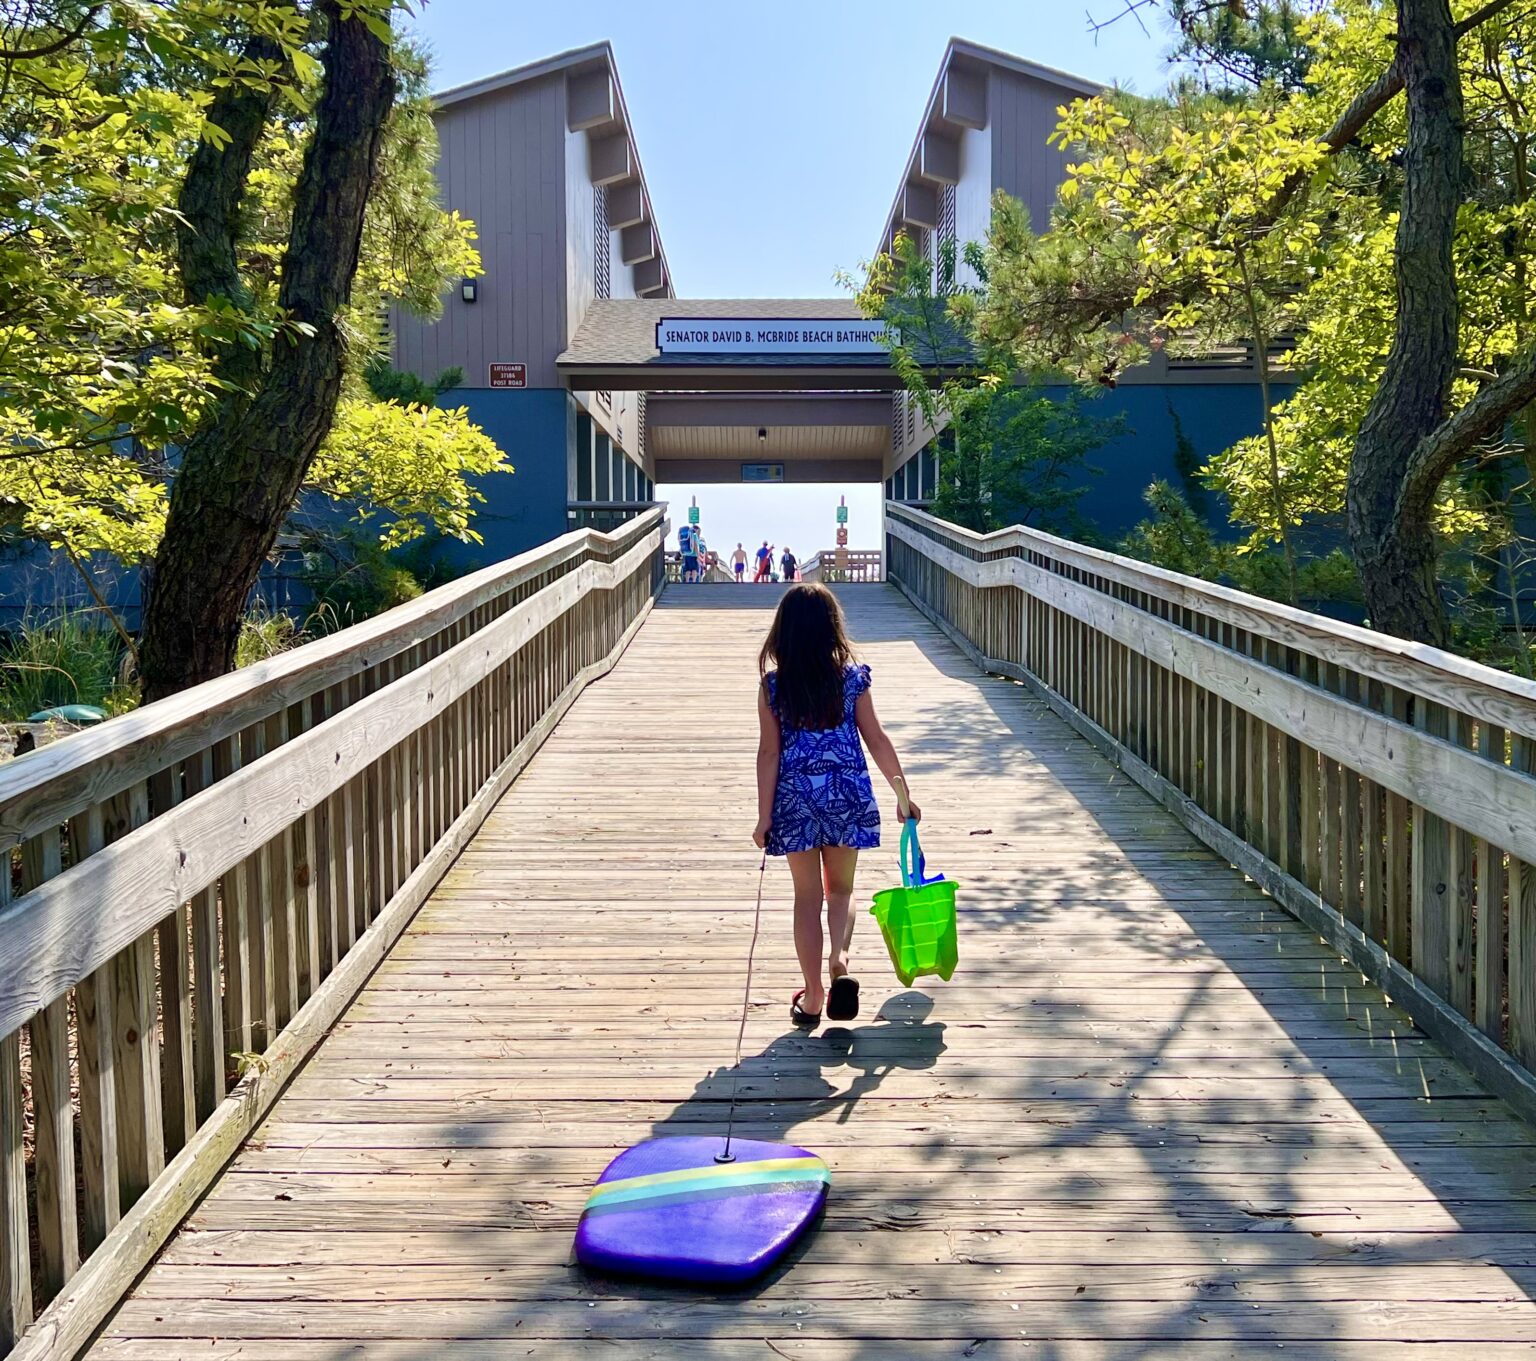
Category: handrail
[1381,790]
[1437,674]
[59,781]
[843,565]
[214,876]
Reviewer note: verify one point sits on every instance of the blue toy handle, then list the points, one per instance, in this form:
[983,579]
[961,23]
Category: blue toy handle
[912,862]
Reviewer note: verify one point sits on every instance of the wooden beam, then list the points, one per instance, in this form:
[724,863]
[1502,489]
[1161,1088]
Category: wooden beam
[15,1261]
[938,158]
[637,243]
[650,277]
[590,100]
[963,99]
[609,158]
[626,204]
[920,205]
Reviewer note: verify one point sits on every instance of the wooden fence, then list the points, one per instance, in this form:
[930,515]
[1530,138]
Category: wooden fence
[1382,791]
[198,888]
[842,564]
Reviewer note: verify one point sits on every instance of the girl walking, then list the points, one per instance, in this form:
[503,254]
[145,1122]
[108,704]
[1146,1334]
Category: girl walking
[815,805]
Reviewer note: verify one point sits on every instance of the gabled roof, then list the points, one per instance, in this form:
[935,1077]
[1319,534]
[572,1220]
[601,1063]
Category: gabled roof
[571,63]
[534,70]
[969,54]
[994,57]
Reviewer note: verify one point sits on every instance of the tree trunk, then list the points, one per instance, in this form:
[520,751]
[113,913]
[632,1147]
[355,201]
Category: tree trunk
[1389,528]
[241,473]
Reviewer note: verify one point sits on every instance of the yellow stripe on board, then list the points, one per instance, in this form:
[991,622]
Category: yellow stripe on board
[722,1170]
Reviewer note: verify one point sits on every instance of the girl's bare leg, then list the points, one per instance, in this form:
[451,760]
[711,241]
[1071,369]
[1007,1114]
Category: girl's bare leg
[805,870]
[838,864]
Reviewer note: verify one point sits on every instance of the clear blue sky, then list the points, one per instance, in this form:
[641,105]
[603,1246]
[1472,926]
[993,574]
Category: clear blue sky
[773,138]
[774,135]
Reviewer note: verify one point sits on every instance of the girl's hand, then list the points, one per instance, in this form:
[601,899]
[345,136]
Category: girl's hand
[760,833]
[913,812]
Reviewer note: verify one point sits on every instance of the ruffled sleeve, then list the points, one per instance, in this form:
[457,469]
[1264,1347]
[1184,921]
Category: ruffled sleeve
[858,680]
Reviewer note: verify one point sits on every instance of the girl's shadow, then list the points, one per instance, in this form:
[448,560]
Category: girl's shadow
[786,1085]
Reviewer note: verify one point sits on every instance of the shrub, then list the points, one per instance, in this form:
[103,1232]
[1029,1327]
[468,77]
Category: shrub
[357,586]
[265,632]
[68,657]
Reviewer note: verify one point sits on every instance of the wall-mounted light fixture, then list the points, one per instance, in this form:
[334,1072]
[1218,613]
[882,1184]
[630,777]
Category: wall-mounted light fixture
[762,434]
[467,289]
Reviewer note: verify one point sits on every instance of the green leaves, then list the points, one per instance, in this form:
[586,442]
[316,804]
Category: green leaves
[407,469]
[105,368]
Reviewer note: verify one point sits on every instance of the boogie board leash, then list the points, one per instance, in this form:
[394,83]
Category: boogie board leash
[726,1156]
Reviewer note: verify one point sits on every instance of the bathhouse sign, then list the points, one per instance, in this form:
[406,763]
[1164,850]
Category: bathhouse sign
[758,335]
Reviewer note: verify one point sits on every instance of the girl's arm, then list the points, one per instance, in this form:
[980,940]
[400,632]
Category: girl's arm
[884,755]
[767,766]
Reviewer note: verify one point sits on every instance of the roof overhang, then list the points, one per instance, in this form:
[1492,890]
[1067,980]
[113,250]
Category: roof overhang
[615,348]
[777,377]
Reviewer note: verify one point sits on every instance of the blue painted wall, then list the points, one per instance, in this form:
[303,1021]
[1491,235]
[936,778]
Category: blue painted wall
[523,509]
[1214,417]
[536,428]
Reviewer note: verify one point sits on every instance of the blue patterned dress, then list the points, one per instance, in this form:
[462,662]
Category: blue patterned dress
[823,797]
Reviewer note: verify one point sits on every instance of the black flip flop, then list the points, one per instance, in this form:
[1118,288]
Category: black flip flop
[800,1016]
[843,999]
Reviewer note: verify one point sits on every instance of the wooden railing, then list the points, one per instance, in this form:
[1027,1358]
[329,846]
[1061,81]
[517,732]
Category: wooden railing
[842,564]
[198,888]
[1382,791]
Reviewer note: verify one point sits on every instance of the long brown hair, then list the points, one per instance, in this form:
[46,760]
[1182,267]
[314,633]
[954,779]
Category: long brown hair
[808,643]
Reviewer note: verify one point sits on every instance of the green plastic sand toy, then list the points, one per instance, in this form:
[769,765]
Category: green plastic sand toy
[918,919]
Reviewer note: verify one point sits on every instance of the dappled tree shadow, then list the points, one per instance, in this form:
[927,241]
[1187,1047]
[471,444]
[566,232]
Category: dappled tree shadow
[1151,1118]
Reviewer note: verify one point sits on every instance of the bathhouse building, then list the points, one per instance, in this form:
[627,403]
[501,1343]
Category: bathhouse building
[579,359]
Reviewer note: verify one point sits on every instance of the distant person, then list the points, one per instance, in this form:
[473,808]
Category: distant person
[739,564]
[764,561]
[687,540]
[788,566]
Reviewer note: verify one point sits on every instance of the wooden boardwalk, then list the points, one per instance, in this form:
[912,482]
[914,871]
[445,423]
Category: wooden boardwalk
[1149,1118]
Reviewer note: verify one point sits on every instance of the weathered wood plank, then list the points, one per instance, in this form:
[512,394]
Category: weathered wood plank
[149,874]
[1140,1063]
[1491,913]
[15,1253]
[72,1318]
[53,1120]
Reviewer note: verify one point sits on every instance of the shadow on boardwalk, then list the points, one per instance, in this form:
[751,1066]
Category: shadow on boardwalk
[1359,1090]
[1151,1119]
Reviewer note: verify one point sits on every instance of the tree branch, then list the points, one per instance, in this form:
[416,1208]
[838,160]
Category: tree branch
[1489,411]
[58,45]
[1366,105]
[1375,97]
[208,226]
[118,626]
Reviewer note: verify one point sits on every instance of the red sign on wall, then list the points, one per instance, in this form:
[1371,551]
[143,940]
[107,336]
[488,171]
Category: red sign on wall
[509,375]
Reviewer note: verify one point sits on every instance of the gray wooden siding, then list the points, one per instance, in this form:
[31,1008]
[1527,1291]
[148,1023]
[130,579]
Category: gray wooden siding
[1022,117]
[502,164]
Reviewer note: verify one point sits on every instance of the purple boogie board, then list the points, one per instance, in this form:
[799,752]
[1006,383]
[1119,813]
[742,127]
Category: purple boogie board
[667,1209]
